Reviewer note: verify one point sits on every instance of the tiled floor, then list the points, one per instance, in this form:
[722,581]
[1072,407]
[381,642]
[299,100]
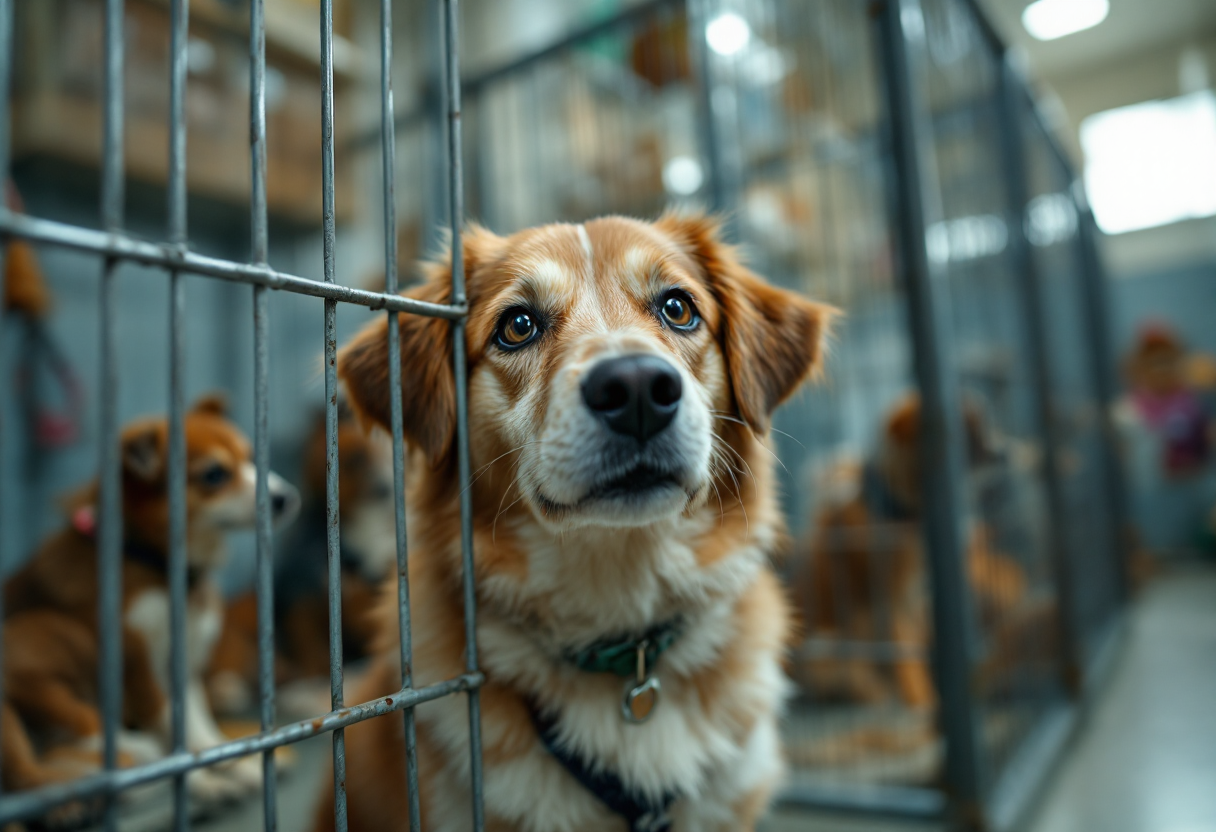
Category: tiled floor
[1145,762]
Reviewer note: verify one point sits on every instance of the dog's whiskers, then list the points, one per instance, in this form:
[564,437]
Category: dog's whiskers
[731,470]
[719,415]
[739,456]
[501,510]
[485,469]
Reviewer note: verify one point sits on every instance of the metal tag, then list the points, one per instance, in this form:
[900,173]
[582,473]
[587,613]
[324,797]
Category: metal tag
[640,701]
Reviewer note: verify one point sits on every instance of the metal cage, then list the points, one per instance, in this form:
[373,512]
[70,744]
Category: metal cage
[886,157]
[175,258]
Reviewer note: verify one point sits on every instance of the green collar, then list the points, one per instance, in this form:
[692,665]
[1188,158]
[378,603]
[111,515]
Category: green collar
[619,654]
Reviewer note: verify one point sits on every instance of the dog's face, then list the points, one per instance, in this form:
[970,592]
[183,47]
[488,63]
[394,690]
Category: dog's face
[604,360]
[220,476]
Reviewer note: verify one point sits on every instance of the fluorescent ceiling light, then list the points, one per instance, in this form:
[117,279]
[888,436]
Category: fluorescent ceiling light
[728,33]
[1051,19]
[1153,163]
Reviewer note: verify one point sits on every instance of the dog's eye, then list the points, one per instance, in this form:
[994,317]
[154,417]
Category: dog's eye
[213,476]
[517,328]
[677,309]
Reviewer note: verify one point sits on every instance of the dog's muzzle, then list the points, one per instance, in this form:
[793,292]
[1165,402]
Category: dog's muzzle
[636,396]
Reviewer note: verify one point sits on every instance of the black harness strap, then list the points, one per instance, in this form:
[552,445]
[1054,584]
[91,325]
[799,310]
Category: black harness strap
[642,813]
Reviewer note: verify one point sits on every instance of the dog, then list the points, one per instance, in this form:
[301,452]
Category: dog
[51,628]
[622,377]
[369,555]
[866,553]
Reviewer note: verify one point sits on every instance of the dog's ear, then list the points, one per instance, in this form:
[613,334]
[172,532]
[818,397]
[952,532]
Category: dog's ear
[214,403]
[773,339]
[428,391]
[143,455]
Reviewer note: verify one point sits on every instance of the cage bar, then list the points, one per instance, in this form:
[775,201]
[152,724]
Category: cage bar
[333,542]
[30,804]
[109,520]
[259,254]
[118,246]
[179,32]
[396,427]
[451,54]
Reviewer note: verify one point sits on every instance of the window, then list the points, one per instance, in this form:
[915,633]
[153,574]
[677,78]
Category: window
[1152,164]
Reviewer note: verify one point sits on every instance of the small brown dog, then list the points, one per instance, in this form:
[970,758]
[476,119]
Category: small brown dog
[866,553]
[622,376]
[50,634]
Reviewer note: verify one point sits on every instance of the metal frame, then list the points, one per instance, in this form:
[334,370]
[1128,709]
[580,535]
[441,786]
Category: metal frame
[115,247]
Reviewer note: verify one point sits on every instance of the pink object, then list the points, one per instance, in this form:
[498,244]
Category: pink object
[84,520]
[1178,418]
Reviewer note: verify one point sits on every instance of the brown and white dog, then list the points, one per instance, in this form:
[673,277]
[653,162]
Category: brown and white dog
[865,555]
[50,632]
[622,376]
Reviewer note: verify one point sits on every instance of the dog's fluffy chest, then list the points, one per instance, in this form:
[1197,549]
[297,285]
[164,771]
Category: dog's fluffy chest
[148,614]
[711,740]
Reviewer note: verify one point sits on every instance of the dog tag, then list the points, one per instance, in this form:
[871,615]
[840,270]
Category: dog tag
[641,697]
[640,701]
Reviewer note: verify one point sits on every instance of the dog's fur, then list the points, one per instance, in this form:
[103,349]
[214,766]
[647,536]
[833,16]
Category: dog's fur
[50,633]
[866,551]
[555,566]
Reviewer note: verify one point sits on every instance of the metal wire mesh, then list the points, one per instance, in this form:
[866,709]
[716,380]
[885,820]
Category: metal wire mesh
[114,246]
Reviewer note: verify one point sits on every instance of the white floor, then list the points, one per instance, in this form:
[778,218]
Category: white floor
[1146,762]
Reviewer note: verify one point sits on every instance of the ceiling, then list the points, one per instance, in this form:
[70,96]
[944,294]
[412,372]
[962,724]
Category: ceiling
[1132,26]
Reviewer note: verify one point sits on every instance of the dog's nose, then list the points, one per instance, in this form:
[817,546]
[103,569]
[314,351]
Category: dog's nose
[278,503]
[635,395]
